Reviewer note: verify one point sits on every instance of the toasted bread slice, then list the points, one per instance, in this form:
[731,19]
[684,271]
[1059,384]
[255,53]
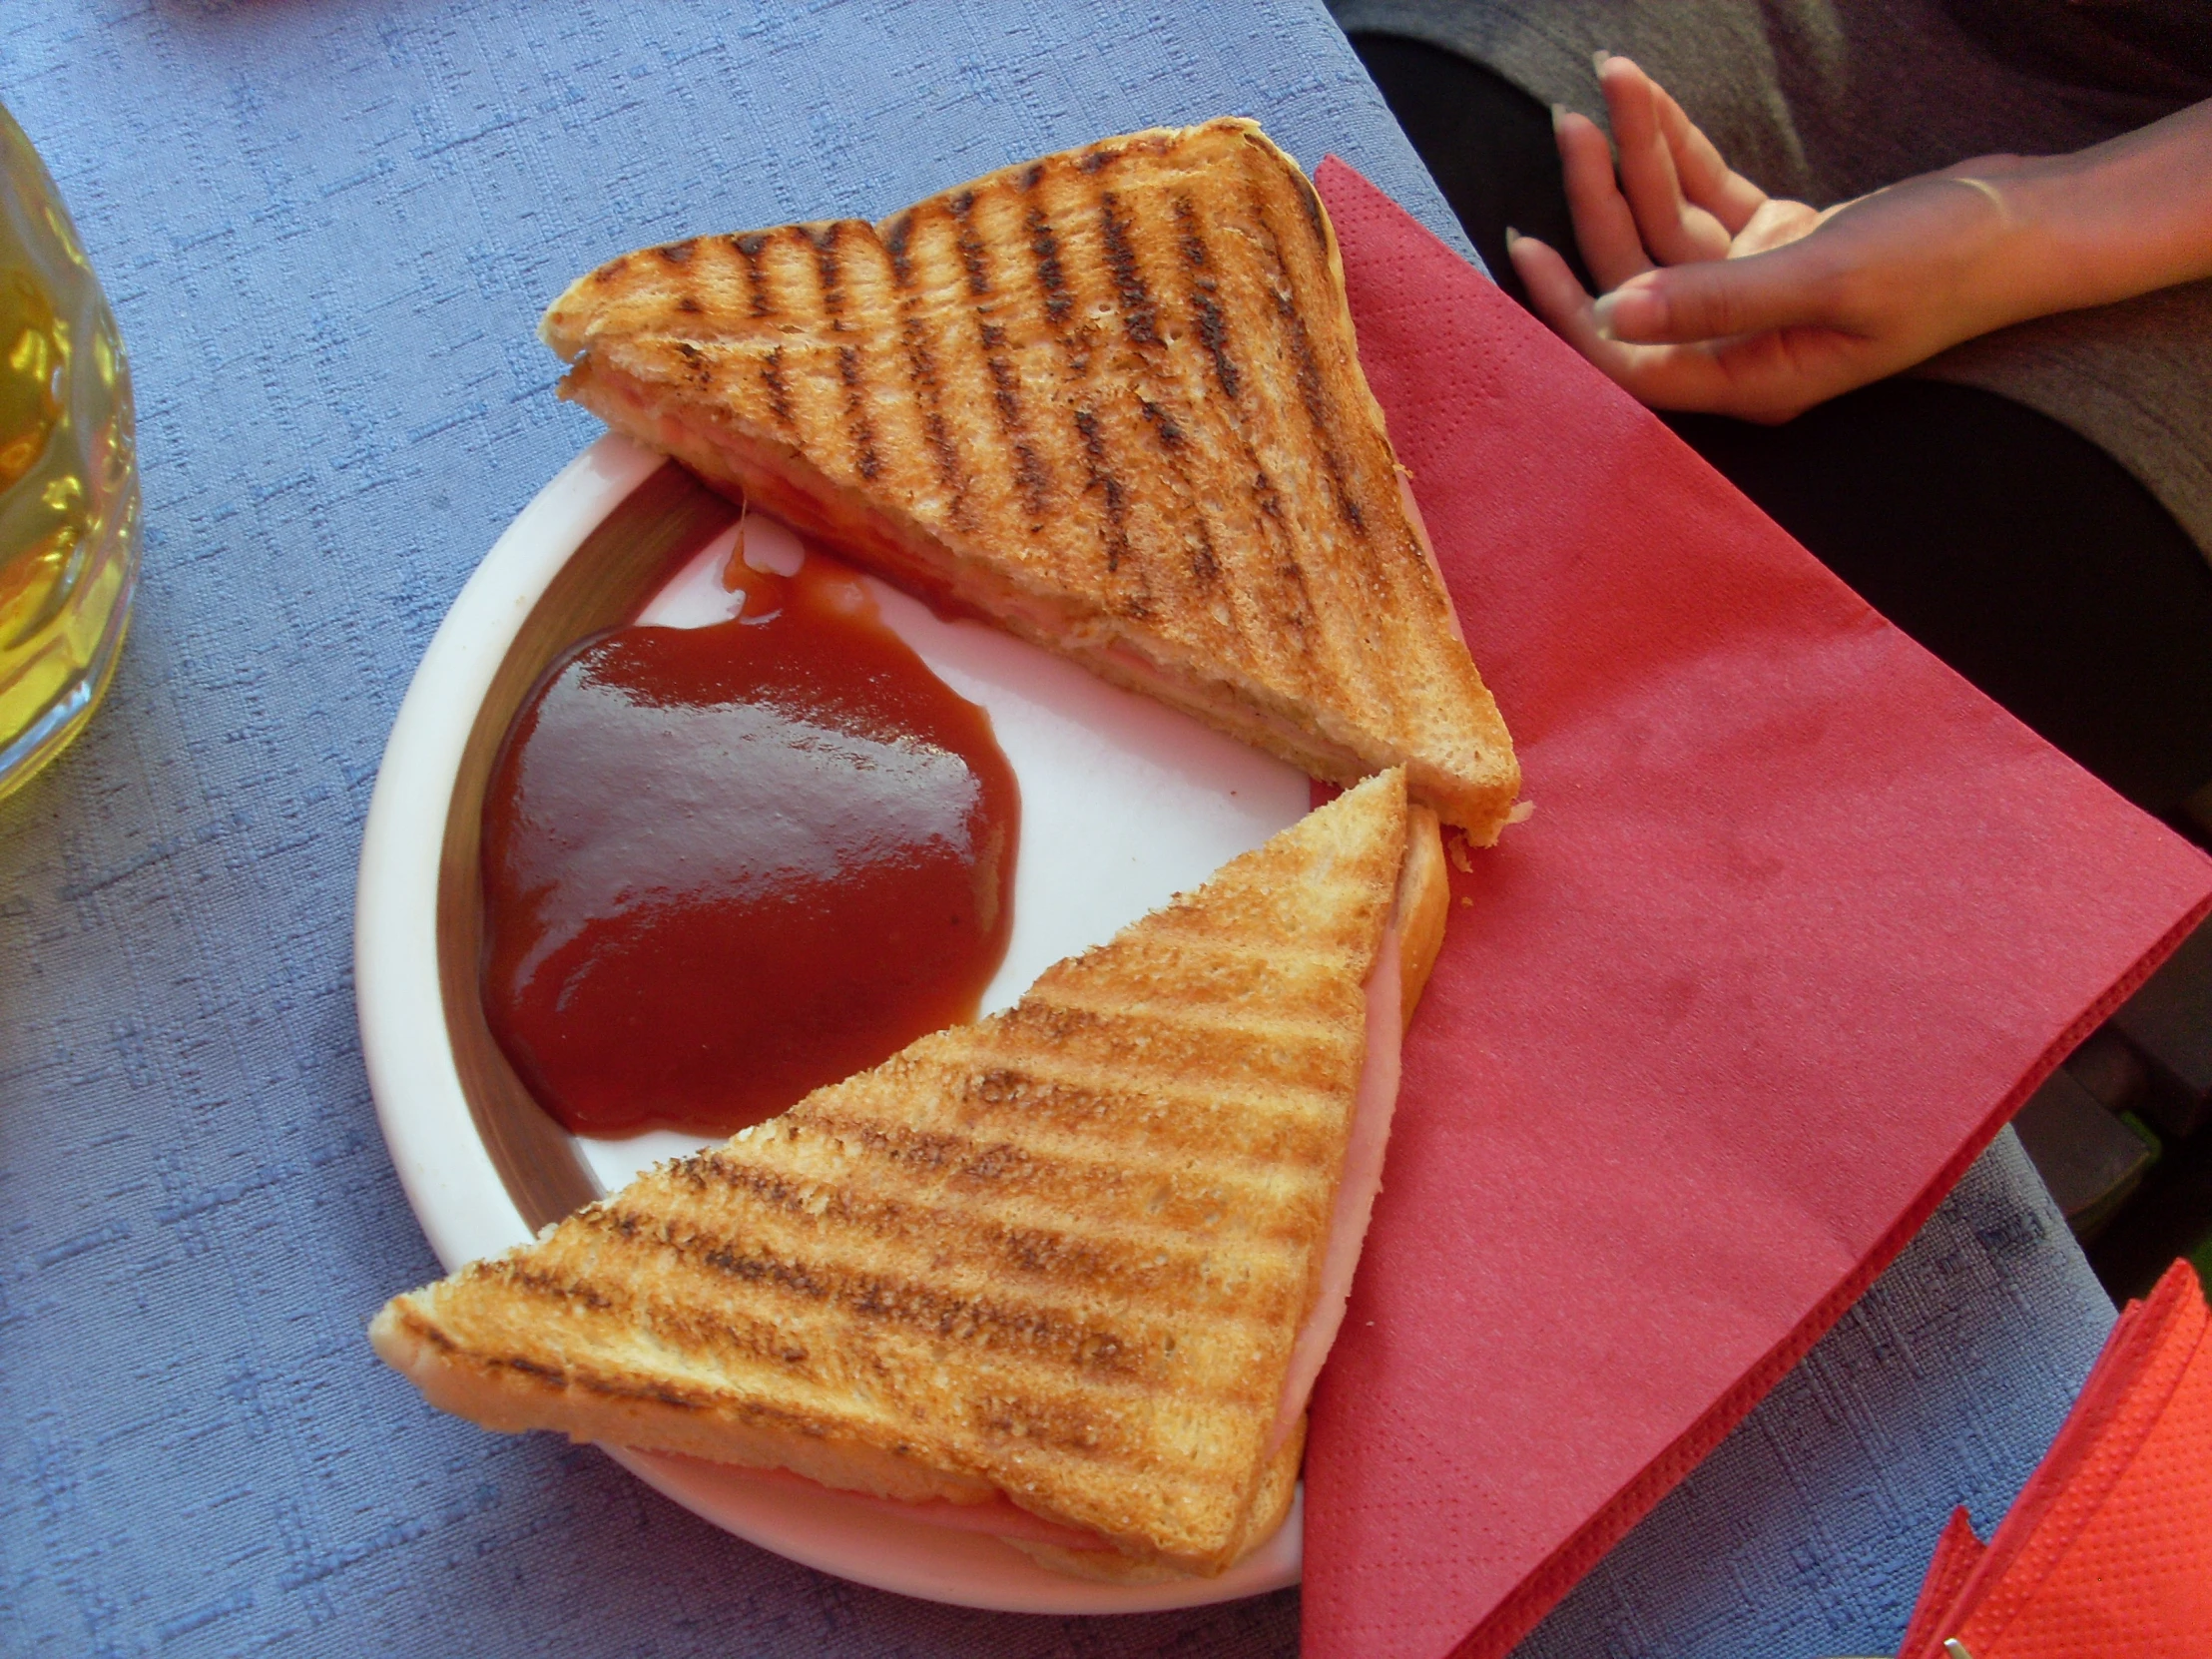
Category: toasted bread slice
[1111,400]
[1060,1254]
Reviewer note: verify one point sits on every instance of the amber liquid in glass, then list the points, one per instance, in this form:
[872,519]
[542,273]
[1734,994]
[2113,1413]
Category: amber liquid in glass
[68,499]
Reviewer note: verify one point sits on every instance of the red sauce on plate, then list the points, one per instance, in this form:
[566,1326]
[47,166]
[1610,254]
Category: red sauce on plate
[724,866]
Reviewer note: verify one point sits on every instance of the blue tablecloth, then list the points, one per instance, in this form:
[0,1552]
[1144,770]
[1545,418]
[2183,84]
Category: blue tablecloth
[327,231]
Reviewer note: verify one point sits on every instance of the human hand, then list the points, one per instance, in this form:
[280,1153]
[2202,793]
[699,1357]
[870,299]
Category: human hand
[1722,298]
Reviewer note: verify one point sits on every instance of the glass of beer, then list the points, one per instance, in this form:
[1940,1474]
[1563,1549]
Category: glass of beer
[69,494]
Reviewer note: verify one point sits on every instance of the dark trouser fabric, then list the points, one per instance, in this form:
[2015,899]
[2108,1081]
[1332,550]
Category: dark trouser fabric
[2005,543]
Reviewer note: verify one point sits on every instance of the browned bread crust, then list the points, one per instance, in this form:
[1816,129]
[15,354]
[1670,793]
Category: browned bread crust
[1110,398]
[1060,1254]
[1423,907]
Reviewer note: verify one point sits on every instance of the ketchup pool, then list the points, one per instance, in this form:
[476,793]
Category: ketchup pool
[725,865]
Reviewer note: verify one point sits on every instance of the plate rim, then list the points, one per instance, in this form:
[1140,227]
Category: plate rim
[451,1183]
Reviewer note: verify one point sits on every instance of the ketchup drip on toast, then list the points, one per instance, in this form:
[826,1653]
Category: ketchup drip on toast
[725,865]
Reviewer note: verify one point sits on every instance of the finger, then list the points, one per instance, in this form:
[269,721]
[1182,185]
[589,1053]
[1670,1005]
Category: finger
[1707,179]
[1722,298]
[1557,297]
[1765,377]
[1673,229]
[1664,376]
[1604,229]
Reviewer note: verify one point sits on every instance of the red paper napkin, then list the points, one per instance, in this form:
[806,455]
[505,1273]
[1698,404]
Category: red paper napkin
[1799,921]
[2108,1547]
[1958,1550]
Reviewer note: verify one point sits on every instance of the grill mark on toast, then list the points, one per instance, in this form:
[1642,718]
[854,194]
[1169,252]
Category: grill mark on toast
[422,1328]
[722,1330]
[553,1287]
[1140,317]
[1030,477]
[697,368]
[1029,473]
[972,263]
[1052,1029]
[581,1379]
[1074,1104]
[586,1380]
[748,246]
[1076,1169]
[860,428]
[1099,475]
[1051,282]
[1075,1175]
[675,253]
[1316,1030]
[921,368]
[527,1367]
[1310,393]
[921,375]
[828,269]
[1044,253]
[1213,327]
[1317,217]
[778,395]
[896,235]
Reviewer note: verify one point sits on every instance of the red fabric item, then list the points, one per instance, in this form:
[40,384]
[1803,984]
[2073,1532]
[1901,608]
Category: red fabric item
[1958,1552]
[2108,1548]
[1799,921]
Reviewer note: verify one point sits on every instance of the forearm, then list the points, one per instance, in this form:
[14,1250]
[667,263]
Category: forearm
[2104,224]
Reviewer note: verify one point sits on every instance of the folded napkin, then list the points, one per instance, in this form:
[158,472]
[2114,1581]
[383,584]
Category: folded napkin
[2108,1547]
[1799,921]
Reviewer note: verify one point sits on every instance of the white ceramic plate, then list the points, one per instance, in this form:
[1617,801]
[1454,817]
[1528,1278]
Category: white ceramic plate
[1122,804]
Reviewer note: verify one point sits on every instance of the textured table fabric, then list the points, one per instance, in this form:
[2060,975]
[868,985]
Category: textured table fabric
[327,231]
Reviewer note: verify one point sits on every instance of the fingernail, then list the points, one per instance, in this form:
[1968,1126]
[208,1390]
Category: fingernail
[1602,311]
[1512,235]
[1558,117]
[1597,60]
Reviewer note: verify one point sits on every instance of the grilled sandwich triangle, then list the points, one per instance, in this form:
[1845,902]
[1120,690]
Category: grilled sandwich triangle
[1059,1256]
[1110,399]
